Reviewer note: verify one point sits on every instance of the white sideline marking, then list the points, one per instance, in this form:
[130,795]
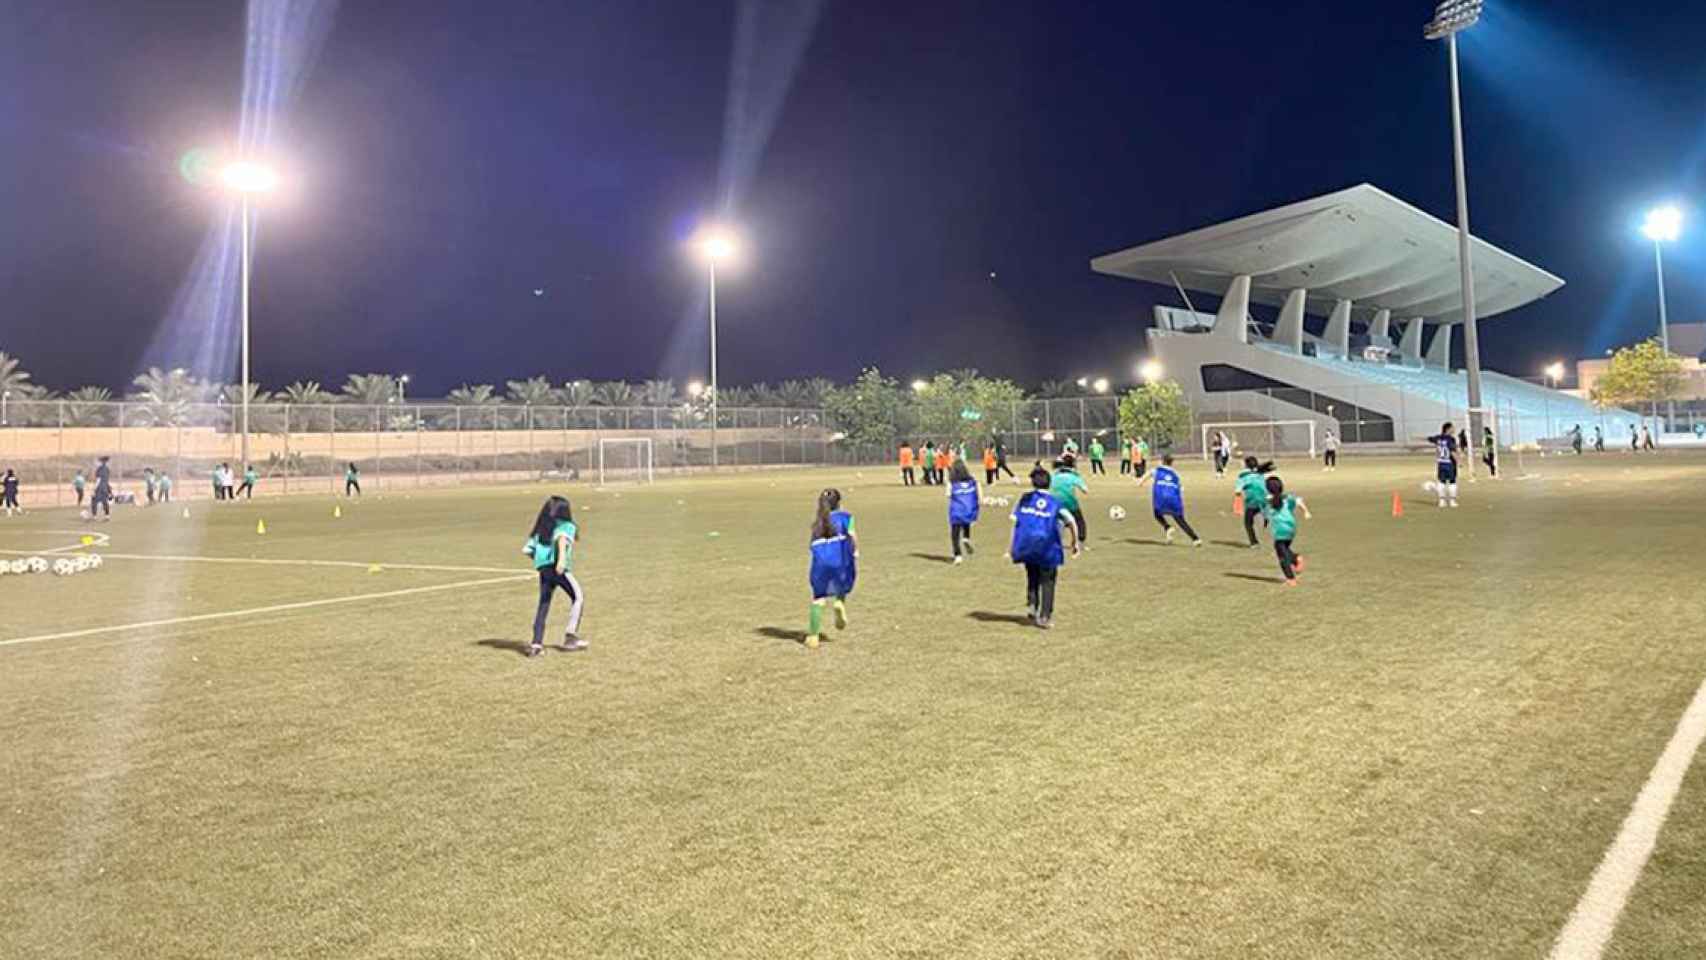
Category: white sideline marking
[261,560]
[1590,926]
[255,611]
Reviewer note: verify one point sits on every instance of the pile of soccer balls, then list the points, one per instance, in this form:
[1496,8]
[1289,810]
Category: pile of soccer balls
[62,566]
[1116,512]
[989,501]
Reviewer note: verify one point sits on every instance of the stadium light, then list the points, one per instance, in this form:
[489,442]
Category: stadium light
[1084,383]
[1101,385]
[695,389]
[5,395]
[919,386]
[1664,225]
[403,388]
[715,243]
[1555,372]
[1452,17]
[1150,371]
[247,178]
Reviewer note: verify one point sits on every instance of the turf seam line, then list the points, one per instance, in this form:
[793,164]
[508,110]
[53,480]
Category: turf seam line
[271,561]
[1594,920]
[257,611]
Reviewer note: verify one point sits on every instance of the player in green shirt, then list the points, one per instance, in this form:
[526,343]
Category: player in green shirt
[1097,452]
[552,546]
[1281,509]
[250,477]
[1066,485]
[1254,490]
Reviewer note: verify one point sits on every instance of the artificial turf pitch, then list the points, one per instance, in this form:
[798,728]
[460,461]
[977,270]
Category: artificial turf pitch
[1423,751]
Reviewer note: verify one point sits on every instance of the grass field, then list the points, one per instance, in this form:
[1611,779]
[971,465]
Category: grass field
[1424,751]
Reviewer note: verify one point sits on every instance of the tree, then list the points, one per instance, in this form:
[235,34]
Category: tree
[817,388]
[304,392]
[867,410]
[658,393]
[575,394]
[232,393]
[13,377]
[88,407]
[478,395]
[166,395]
[792,393]
[760,394]
[735,398]
[1057,389]
[615,393]
[1642,374]
[532,392]
[1158,412]
[370,389]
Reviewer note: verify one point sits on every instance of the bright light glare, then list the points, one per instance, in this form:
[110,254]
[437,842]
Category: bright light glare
[695,388]
[1084,381]
[1101,385]
[717,244]
[919,386]
[1663,224]
[1150,371]
[246,177]
[1555,371]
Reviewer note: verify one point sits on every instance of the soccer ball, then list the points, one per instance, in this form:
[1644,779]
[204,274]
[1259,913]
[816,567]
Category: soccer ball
[1430,487]
[1116,512]
[64,568]
[94,561]
[38,565]
[20,566]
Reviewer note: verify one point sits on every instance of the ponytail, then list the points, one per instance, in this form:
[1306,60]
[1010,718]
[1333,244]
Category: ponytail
[823,525]
[1276,493]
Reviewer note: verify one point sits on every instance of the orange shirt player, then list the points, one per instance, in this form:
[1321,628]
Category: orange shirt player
[907,477]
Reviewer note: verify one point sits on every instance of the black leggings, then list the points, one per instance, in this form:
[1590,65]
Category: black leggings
[101,501]
[1078,521]
[1039,589]
[907,478]
[1002,467]
[1250,515]
[1287,559]
[550,581]
[957,532]
[247,490]
[989,476]
[1331,457]
[1096,467]
[1492,463]
[9,499]
[1179,519]
[350,485]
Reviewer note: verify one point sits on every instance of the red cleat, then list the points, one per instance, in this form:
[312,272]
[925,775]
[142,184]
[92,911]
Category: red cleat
[1297,564]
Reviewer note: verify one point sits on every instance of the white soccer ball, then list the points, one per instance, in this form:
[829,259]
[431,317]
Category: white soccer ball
[38,565]
[20,566]
[1429,487]
[1116,512]
[94,561]
[64,568]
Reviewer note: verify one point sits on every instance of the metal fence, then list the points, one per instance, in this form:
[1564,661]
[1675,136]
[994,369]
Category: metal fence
[300,448]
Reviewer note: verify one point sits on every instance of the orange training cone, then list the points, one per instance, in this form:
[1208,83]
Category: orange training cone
[1238,504]
[1397,505]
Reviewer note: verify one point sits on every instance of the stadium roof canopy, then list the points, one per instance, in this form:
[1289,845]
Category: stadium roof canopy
[1362,244]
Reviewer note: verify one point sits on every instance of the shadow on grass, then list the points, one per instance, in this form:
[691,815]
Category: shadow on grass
[1146,543]
[512,646]
[777,633]
[1240,544]
[986,616]
[933,557]
[1255,577]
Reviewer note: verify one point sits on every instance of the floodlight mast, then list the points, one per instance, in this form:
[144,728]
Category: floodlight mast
[1664,225]
[246,179]
[1452,17]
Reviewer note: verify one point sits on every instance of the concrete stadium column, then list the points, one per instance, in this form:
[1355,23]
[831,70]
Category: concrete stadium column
[1411,344]
[1289,330]
[1230,320]
[1380,329]
[1339,328]
[1439,351]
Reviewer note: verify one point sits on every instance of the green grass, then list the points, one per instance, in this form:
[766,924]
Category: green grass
[1421,752]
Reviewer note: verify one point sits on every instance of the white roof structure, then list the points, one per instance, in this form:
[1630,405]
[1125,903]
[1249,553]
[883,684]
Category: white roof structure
[1361,245]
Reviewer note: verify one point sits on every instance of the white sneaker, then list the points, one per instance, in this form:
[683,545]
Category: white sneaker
[1169,534]
[1454,504]
[959,560]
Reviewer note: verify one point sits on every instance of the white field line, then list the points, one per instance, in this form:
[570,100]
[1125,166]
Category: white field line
[1589,929]
[268,561]
[258,611]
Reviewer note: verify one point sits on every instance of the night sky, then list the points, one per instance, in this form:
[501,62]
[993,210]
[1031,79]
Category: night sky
[448,159]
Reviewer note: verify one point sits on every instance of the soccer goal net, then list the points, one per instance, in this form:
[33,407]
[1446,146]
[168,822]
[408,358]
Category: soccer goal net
[1262,438]
[624,460]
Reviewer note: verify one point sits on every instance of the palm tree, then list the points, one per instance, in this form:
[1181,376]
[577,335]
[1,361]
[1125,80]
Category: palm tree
[658,393]
[304,392]
[371,389]
[479,395]
[13,377]
[532,392]
[87,406]
[166,395]
[792,393]
[733,398]
[760,394]
[817,390]
[1056,389]
[575,394]
[615,393]
[232,394]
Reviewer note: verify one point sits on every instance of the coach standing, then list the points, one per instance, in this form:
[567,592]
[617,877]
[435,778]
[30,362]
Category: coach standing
[100,503]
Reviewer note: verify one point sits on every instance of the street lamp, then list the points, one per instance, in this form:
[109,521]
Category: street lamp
[5,395]
[1083,383]
[403,388]
[695,389]
[1452,17]
[247,179]
[1664,225]
[919,386]
[1100,385]
[715,244]
[1150,371]
[1555,373]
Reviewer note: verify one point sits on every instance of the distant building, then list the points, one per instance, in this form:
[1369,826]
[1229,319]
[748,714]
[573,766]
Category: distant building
[1687,340]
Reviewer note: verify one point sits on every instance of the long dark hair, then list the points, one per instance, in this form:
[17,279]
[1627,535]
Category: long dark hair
[555,511]
[959,473]
[828,502]
[1276,493]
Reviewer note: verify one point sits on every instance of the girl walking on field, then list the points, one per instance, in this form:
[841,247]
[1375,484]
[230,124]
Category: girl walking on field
[552,546]
[962,507]
[1281,509]
[835,554]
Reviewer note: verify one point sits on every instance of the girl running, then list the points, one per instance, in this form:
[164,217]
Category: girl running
[1254,492]
[1281,510]
[835,552]
[552,545]
[78,482]
[962,507]
[1039,524]
[1169,500]
[352,481]
[250,476]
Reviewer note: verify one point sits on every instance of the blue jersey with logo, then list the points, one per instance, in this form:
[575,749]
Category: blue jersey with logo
[1169,496]
[1036,530]
[962,502]
[833,570]
[1445,447]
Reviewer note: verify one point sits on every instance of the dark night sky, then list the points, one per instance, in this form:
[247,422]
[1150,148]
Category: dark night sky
[451,157]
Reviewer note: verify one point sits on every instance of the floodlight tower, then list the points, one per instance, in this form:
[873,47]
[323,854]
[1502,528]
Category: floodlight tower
[1452,17]
[1664,225]
[247,179]
[715,244]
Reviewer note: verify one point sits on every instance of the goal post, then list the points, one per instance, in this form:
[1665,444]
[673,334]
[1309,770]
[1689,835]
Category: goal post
[1263,437]
[624,460]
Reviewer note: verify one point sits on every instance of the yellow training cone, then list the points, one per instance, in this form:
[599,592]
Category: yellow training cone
[186,513]
[88,540]
[261,526]
[374,568]
[337,511]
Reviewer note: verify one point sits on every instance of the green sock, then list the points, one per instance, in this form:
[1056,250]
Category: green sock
[816,619]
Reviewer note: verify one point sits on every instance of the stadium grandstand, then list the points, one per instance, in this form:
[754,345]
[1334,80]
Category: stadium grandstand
[1346,272]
